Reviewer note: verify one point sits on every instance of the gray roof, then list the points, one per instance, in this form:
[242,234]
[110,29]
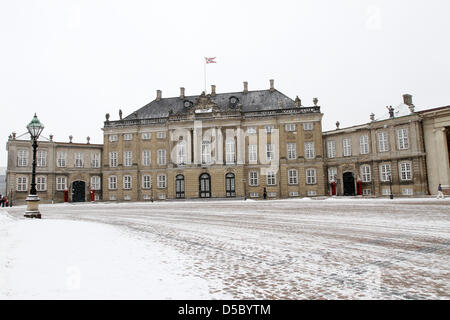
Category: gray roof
[251,101]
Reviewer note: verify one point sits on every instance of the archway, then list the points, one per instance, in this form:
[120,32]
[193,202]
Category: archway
[205,186]
[230,185]
[179,187]
[349,184]
[78,191]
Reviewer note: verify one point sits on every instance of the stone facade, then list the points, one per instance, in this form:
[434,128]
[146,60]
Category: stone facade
[436,126]
[254,144]
[59,165]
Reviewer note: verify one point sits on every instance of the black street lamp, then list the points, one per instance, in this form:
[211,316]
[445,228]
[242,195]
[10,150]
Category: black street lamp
[390,186]
[35,128]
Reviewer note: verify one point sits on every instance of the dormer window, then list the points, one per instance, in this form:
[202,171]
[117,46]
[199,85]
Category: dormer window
[187,104]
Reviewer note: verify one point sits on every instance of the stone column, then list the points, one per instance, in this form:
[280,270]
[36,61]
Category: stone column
[219,146]
[240,145]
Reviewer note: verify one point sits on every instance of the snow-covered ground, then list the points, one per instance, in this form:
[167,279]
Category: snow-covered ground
[289,249]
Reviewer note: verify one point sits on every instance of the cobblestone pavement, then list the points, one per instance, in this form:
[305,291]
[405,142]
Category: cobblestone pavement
[295,249]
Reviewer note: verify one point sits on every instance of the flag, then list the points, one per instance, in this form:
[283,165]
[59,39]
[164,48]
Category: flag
[210,60]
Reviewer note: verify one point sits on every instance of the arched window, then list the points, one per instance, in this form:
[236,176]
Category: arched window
[205,186]
[230,185]
[179,184]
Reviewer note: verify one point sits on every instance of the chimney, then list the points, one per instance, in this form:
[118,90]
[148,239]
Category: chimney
[213,90]
[298,102]
[70,138]
[272,88]
[51,138]
[158,95]
[407,99]
[181,93]
[88,140]
[245,87]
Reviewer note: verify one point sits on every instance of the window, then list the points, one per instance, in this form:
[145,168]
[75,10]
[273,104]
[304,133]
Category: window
[161,157]
[179,186]
[331,149]
[161,196]
[112,198]
[407,191]
[61,183]
[365,173]
[383,142]
[347,147]
[385,172]
[405,171]
[161,135]
[270,151]
[146,181]
[181,152]
[112,182]
[113,138]
[95,183]
[309,150]
[253,178]
[113,159]
[22,158]
[290,127]
[127,197]
[22,184]
[251,130]
[78,160]
[128,158]
[206,152]
[146,156]
[95,160]
[254,195]
[271,178]
[402,139]
[308,126]
[230,185]
[364,144]
[230,151]
[293,176]
[127,182]
[252,153]
[293,194]
[128,136]
[312,193]
[161,181]
[385,191]
[41,158]
[332,174]
[269,129]
[367,192]
[61,158]
[271,194]
[311,176]
[146,136]
[291,151]
[41,183]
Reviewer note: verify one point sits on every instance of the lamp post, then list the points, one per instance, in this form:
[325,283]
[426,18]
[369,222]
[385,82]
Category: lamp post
[390,186]
[245,191]
[35,128]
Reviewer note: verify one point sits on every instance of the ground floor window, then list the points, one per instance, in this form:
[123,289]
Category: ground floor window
[22,184]
[41,183]
[61,183]
[179,186]
[230,185]
[205,186]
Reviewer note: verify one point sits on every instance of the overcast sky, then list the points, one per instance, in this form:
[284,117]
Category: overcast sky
[74,61]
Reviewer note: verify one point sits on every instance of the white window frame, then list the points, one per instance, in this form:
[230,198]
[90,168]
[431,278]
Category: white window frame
[383,141]
[146,136]
[127,182]
[271,178]
[146,158]
[251,130]
[206,152]
[253,153]
[290,127]
[146,181]
[331,149]
[61,183]
[253,178]
[61,159]
[127,158]
[347,147]
[308,126]
[292,176]
[22,158]
[113,138]
[269,128]
[270,151]
[79,160]
[332,174]
[95,160]
[113,159]
[181,152]
[311,176]
[405,171]
[403,139]
[364,144]
[41,158]
[385,171]
[162,181]
[96,183]
[112,182]
[21,183]
[127,137]
[291,151]
[41,183]
[230,151]
[366,173]
[310,152]
[161,157]
[161,135]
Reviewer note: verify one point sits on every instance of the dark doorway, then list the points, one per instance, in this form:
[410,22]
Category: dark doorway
[205,186]
[349,184]
[179,186]
[78,191]
[230,185]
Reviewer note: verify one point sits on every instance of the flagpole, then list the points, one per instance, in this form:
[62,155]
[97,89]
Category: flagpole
[205,74]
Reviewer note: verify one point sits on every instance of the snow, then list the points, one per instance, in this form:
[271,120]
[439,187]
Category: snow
[312,248]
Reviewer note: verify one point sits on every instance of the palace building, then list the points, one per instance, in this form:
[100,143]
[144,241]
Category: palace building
[253,144]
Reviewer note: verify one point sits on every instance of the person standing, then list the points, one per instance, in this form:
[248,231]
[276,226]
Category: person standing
[440,195]
[1,200]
